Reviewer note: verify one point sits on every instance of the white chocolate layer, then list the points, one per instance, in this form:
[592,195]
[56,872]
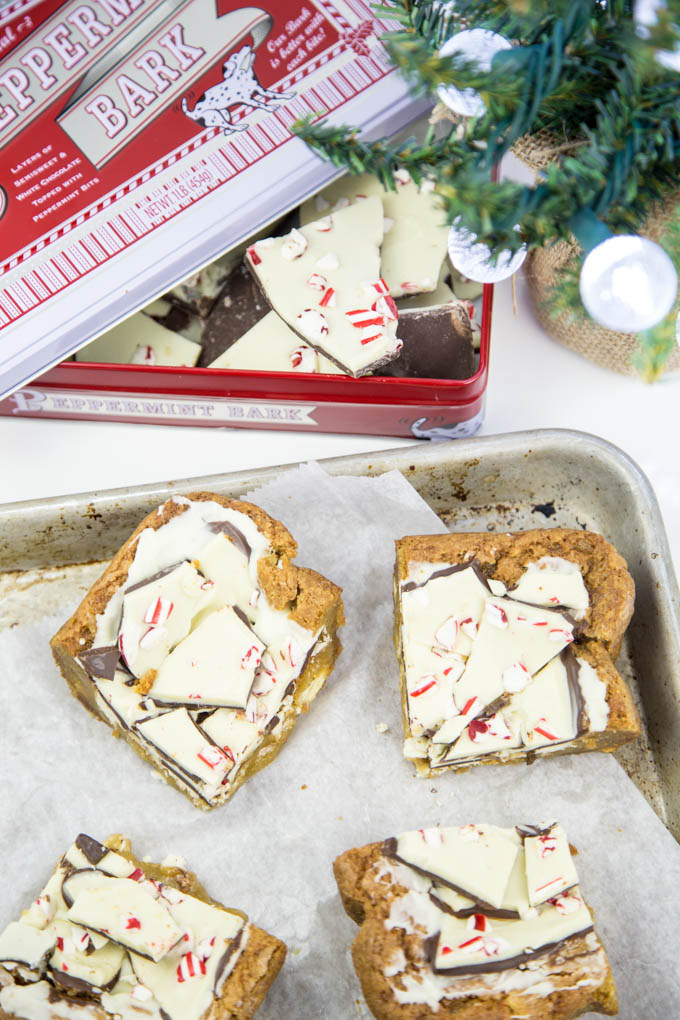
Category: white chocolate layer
[415,242]
[139,339]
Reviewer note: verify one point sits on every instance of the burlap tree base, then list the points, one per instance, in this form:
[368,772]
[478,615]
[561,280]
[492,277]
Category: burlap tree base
[603,346]
[577,331]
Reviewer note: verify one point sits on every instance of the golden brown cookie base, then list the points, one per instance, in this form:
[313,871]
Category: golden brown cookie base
[505,558]
[313,602]
[367,892]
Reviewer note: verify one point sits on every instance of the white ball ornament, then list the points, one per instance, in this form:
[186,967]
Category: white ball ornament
[628,283]
[474,259]
[478,45]
[646,13]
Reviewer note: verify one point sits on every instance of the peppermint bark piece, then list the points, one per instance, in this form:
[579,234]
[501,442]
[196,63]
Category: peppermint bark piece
[324,280]
[489,677]
[140,340]
[110,936]
[452,926]
[272,346]
[203,664]
[416,235]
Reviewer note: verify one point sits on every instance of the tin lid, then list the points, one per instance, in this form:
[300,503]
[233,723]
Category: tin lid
[139,139]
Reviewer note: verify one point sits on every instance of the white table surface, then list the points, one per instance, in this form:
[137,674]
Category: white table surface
[534,383]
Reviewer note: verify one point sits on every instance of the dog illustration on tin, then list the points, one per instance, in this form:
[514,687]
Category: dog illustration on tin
[439,433]
[239,87]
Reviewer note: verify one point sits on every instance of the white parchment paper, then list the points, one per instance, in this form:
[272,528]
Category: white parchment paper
[338,783]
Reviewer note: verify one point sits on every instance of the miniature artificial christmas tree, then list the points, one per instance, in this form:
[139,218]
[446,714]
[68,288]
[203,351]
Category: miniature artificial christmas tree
[595,84]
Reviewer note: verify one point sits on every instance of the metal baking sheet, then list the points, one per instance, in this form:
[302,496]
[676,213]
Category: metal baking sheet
[52,549]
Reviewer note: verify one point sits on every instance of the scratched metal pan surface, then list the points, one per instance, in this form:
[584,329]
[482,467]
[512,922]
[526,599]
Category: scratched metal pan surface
[51,550]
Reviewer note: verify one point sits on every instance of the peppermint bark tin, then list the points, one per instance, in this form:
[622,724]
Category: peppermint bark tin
[138,142]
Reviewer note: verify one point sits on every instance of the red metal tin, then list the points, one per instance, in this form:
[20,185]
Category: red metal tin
[373,405]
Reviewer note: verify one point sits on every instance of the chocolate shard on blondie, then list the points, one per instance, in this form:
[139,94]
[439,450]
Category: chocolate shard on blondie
[506,647]
[474,922]
[202,642]
[110,936]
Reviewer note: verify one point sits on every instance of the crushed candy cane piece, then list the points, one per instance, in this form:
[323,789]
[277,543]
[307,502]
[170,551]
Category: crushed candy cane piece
[303,359]
[312,324]
[447,634]
[324,224]
[328,261]
[211,755]
[294,245]
[251,658]
[516,677]
[328,300]
[159,611]
[496,615]
[317,281]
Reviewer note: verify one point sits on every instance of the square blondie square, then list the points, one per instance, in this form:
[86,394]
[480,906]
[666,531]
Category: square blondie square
[506,645]
[111,936]
[474,923]
[202,642]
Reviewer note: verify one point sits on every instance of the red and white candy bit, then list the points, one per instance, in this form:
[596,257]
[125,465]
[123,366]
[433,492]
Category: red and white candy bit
[362,317]
[516,677]
[386,307]
[81,940]
[558,635]
[545,730]
[324,224]
[130,922]
[228,753]
[469,627]
[496,615]
[251,658]
[447,634]
[320,204]
[554,599]
[159,611]
[211,756]
[312,324]
[473,945]
[548,845]
[432,837]
[60,944]
[143,354]
[370,334]
[254,597]
[445,950]
[427,682]
[151,637]
[479,922]
[205,947]
[328,261]
[207,584]
[470,833]
[566,904]
[402,176]
[558,880]
[141,993]
[328,300]
[376,287]
[477,728]
[317,281]
[303,359]
[292,654]
[190,966]
[492,947]
[469,705]
[410,288]
[45,906]
[294,245]
[253,256]
[137,875]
